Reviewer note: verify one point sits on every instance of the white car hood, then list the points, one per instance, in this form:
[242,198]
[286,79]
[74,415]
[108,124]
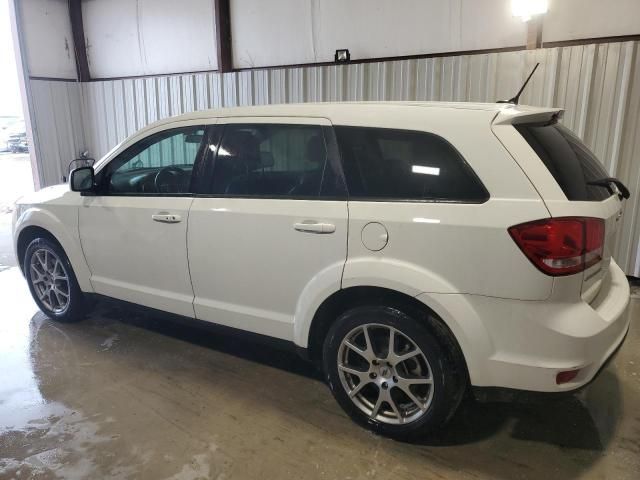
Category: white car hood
[44,195]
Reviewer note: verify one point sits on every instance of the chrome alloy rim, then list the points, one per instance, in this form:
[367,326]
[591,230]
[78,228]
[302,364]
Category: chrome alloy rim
[50,280]
[385,374]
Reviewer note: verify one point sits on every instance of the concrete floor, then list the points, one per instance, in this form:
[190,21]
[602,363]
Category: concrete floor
[122,395]
[128,396]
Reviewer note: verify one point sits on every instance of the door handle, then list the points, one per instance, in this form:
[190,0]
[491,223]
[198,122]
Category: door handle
[166,218]
[314,227]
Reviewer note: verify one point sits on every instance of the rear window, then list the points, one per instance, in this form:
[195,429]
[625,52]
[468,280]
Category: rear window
[382,163]
[569,160]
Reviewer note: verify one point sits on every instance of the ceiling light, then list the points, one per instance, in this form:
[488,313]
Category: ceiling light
[525,9]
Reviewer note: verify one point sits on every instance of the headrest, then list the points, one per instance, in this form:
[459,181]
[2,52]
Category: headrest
[244,144]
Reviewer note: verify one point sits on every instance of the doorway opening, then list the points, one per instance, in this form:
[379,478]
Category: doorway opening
[16,177]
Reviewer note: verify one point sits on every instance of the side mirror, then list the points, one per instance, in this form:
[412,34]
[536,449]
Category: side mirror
[83,161]
[80,162]
[82,179]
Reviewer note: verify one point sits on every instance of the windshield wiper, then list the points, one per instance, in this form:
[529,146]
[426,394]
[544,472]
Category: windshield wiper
[606,183]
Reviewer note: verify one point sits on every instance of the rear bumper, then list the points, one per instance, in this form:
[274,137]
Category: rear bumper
[501,394]
[523,345]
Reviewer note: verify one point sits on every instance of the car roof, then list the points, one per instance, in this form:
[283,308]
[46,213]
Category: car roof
[328,109]
[494,112]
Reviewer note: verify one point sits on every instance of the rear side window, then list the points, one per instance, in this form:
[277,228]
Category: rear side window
[272,160]
[569,160]
[382,163]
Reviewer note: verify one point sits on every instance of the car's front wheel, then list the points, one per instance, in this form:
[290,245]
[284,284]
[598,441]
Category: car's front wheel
[390,373]
[52,282]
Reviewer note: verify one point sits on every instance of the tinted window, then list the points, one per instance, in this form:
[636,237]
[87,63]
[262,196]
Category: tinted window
[161,163]
[401,164]
[569,160]
[271,160]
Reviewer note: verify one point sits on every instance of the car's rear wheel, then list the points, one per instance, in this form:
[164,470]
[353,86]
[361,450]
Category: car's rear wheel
[390,373]
[52,282]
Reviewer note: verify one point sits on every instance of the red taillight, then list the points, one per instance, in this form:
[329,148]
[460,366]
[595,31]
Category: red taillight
[561,246]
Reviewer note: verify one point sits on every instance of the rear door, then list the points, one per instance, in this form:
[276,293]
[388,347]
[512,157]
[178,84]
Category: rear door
[268,227]
[563,168]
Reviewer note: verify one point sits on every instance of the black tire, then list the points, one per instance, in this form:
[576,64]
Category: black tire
[76,306]
[447,370]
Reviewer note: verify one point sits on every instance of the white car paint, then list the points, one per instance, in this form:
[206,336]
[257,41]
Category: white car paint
[150,266]
[241,262]
[55,209]
[259,236]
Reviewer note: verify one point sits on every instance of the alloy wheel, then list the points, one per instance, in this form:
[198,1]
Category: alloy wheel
[385,374]
[50,280]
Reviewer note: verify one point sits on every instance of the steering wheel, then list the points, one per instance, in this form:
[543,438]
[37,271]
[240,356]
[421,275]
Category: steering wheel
[168,177]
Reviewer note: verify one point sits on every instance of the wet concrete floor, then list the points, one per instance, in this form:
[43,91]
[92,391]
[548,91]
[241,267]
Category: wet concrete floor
[122,395]
[15,181]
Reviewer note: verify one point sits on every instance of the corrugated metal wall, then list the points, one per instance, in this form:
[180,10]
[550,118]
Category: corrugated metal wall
[597,84]
[58,127]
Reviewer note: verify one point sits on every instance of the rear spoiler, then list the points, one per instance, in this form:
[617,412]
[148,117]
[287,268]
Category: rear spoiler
[515,114]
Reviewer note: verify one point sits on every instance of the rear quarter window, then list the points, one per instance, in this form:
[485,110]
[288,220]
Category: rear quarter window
[568,159]
[390,164]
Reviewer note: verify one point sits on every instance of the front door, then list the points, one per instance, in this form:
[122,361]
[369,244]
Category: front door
[268,231]
[134,231]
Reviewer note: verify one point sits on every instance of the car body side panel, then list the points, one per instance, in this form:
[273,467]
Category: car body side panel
[324,284]
[252,270]
[445,248]
[450,247]
[134,258]
[55,209]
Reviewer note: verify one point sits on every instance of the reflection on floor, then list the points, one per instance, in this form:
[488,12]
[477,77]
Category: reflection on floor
[127,396]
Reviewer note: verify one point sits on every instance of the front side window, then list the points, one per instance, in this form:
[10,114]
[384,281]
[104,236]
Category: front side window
[159,164]
[391,164]
[271,160]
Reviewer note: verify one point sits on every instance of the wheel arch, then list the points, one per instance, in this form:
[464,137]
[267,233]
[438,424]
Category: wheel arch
[56,233]
[351,297]
[26,236]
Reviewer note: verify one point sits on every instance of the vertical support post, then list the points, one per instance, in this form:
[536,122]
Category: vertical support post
[15,17]
[534,32]
[79,45]
[223,35]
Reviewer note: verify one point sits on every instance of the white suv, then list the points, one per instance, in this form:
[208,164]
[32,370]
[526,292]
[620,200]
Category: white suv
[411,250]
